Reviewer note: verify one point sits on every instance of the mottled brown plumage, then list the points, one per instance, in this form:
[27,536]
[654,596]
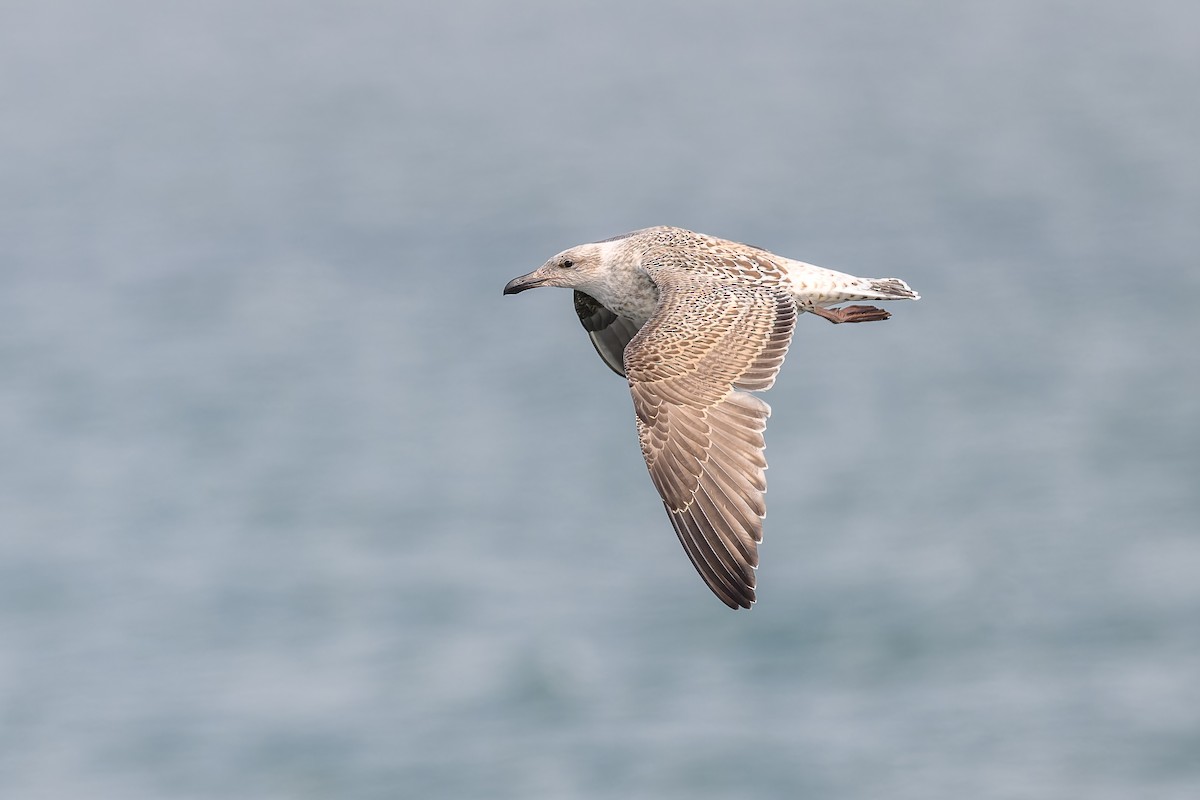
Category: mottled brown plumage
[695,324]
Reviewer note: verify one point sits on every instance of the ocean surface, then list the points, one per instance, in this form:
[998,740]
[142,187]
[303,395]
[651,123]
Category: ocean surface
[294,504]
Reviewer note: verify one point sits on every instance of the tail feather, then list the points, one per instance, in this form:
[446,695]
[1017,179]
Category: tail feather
[892,289]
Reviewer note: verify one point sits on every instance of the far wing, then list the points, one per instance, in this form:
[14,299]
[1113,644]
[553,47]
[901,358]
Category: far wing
[609,333]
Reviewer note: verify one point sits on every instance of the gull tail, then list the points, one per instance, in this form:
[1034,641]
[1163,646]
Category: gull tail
[858,289]
[889,289]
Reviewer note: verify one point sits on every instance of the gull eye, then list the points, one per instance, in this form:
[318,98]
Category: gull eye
[567,263]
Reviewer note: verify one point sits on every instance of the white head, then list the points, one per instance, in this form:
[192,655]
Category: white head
[584,268]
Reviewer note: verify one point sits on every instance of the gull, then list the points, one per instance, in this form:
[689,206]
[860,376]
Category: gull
[695,324]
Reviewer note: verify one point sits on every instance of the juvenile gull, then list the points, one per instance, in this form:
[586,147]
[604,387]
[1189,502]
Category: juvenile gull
[695,324]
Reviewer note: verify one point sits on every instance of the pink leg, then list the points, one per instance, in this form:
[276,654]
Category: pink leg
[850,314]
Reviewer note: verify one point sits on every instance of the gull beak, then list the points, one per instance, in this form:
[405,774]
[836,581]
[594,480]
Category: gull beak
[530,281]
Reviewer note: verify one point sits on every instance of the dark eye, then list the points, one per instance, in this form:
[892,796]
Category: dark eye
[567,263]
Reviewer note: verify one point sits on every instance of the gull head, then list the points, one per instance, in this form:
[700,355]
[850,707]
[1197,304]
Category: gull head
[583,268]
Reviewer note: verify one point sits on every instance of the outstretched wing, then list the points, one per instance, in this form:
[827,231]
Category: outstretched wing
[609,333]
[701,433]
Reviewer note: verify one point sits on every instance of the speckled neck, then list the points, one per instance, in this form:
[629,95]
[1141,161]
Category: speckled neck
[626,288]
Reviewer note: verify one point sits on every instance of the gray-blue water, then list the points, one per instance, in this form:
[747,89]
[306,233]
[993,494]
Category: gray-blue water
[294,504]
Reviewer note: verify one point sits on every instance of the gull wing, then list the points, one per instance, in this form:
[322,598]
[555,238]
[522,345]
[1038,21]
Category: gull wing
[610,334]
[690,371]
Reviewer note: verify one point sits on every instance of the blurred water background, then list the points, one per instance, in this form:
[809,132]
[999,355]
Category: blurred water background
[294,504]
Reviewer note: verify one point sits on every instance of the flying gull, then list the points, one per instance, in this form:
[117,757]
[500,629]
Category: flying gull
[696,323]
